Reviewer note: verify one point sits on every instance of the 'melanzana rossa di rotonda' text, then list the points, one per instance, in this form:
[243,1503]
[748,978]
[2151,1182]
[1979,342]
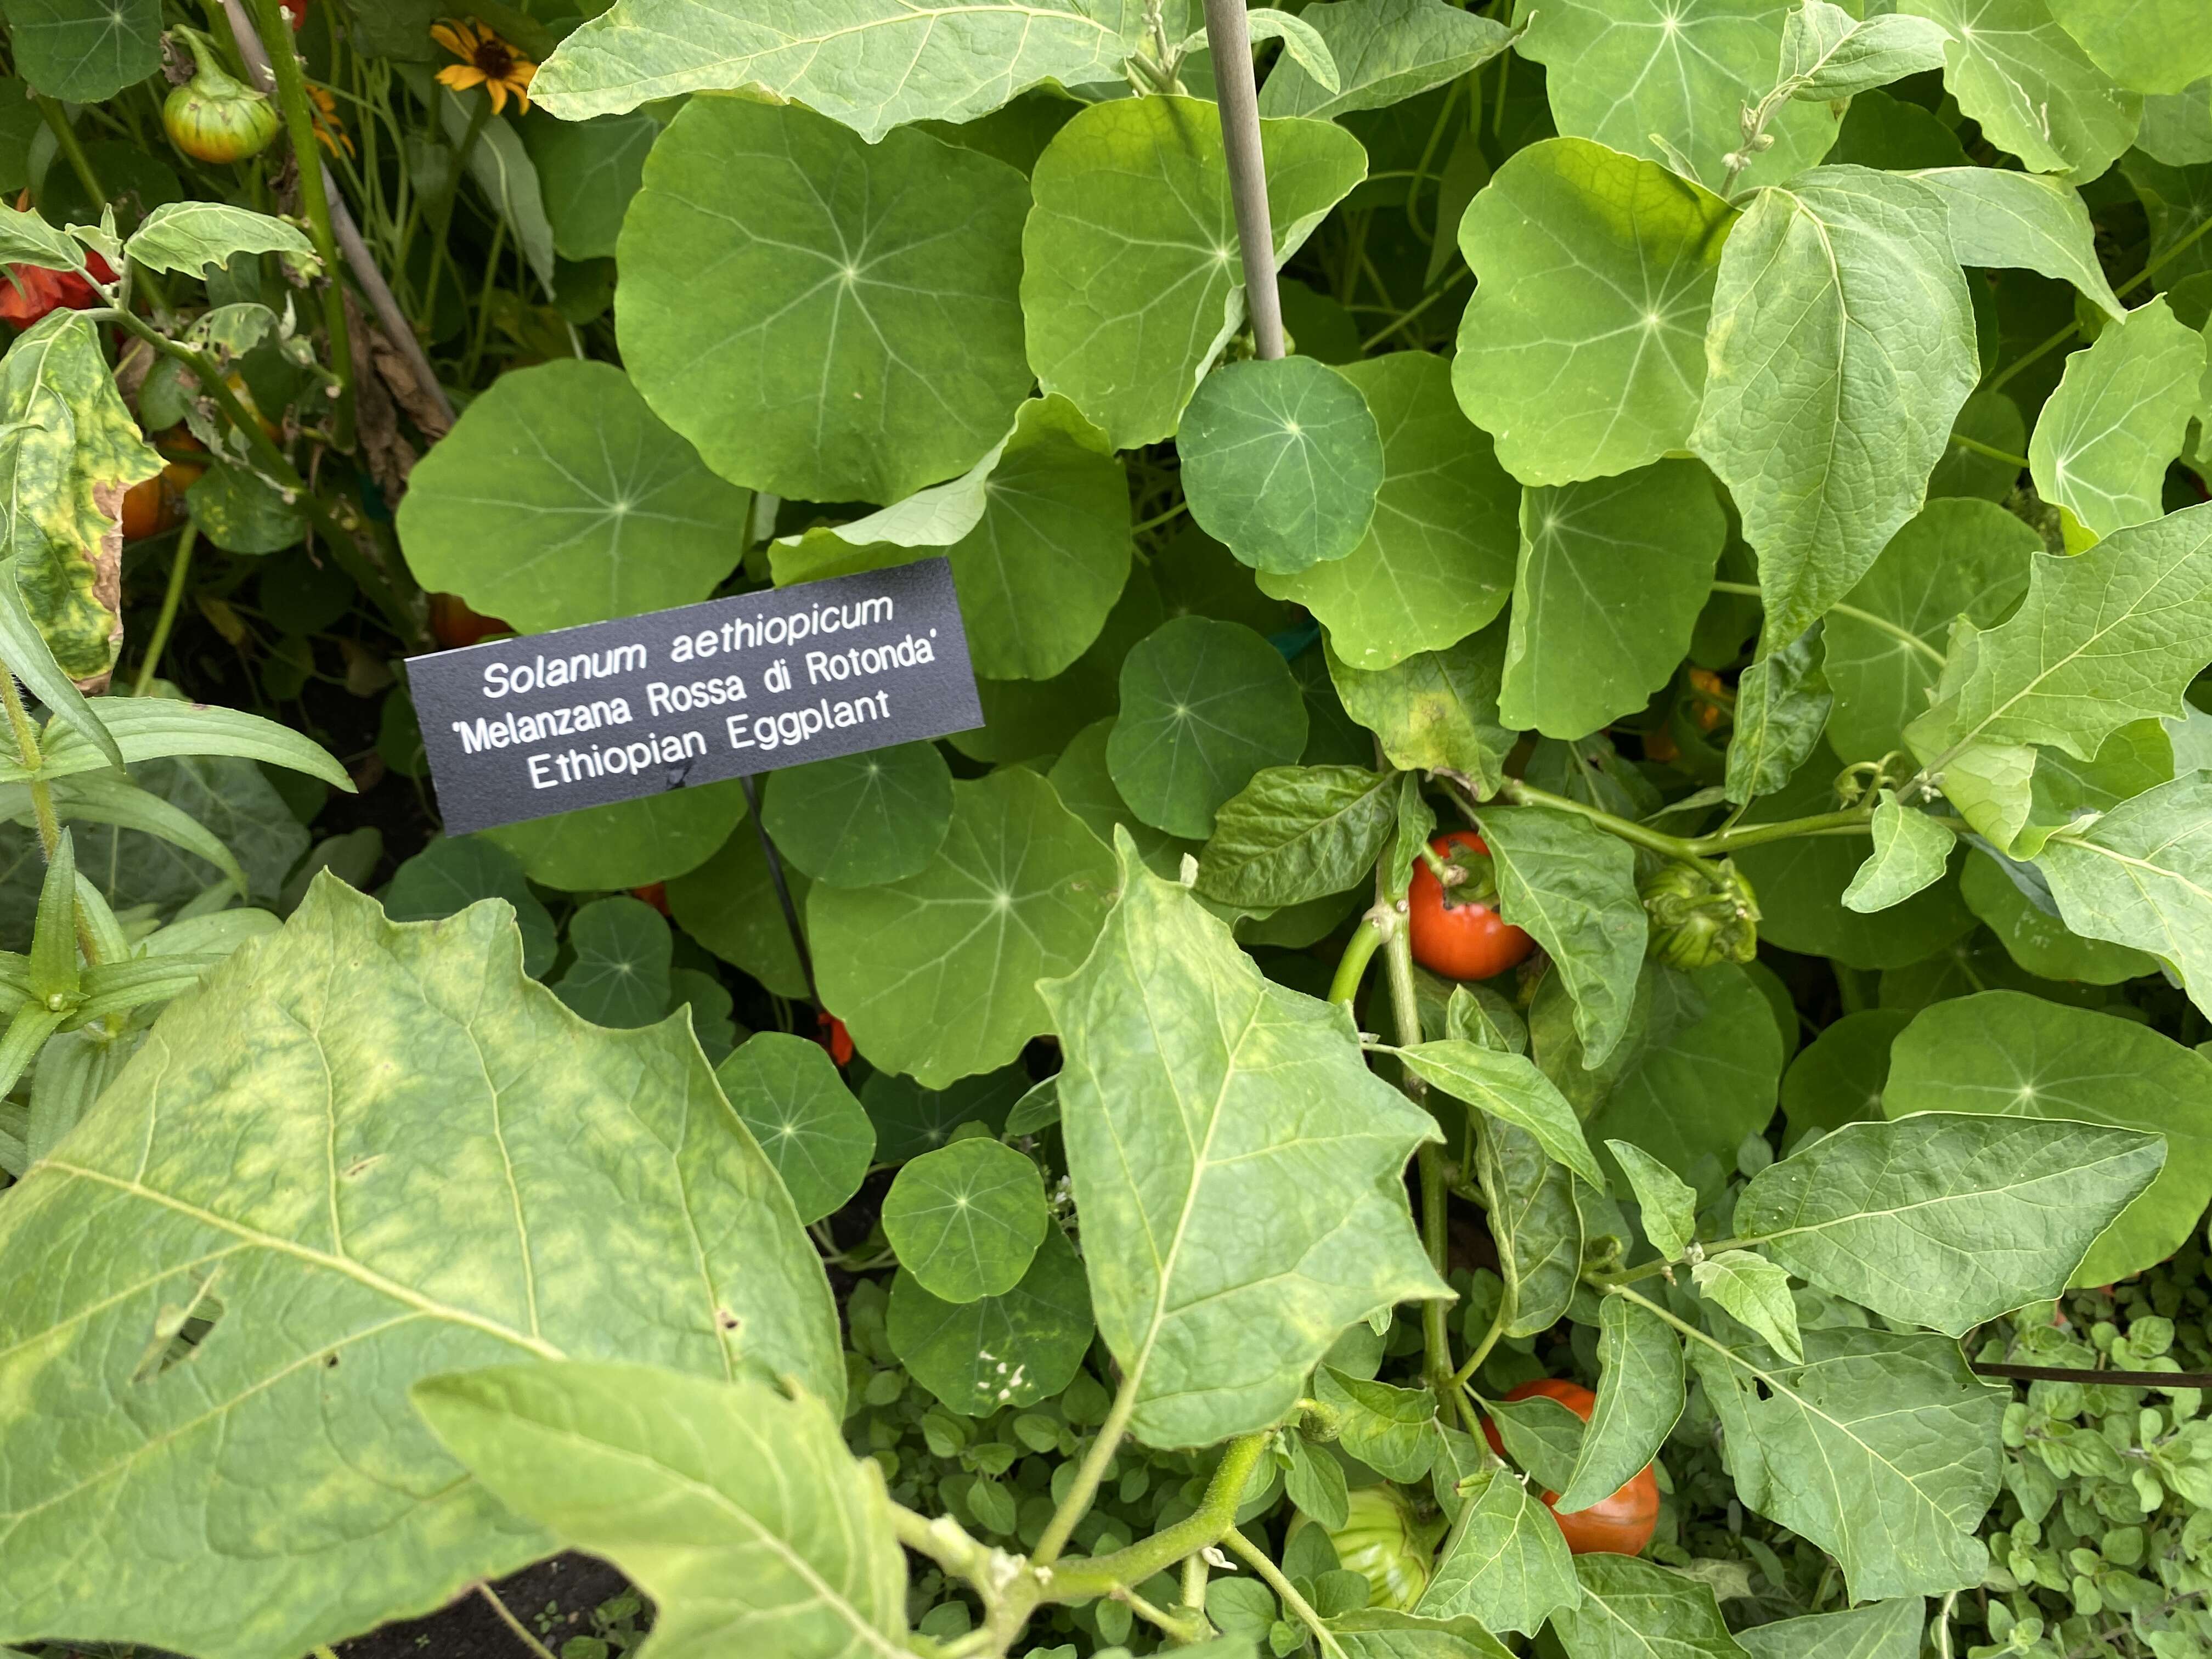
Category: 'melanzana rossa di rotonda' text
[798,709]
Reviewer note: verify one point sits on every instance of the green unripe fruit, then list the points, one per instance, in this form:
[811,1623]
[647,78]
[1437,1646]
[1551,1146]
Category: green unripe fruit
[1383,1542]
[1701,912]
[215,117]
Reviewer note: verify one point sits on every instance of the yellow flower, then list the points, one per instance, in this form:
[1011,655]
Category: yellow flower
[330,131]
[486,61]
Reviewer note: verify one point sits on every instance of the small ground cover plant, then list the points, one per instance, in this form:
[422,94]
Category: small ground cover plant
[1559,1009]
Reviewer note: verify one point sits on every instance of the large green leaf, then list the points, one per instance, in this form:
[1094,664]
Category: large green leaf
[2026,221]
[1011,1350]
[1634,1609]
[1944,1218]
[1613,574]
[618,973]
[2116,422]
[1573,887]
[1385,51]
[2019,1056]
[1267,1211]
[2150,46]
[966,1218]
[823,318]
[1646,77]
[1204,705]
[190,236]
[2104,638]
[559,498]
[588,170]
[1037,531]
[628,843]
[1882,1447]
[1639,1395]
[1705,1075]
[1536,1223]
[2037,939]
[68,451]
[1281,461]
[1848,275]
[1131,282]
[736,1508]
[1296,833]
[807,1123]
[2018,75]
[2142,876]
[1583,349]
[857,820]
[1504,1562]
[447,1167]
[1838,1077]
[1954,557]
[454,873]
[933,974]
[84,52]
[873,64]
[1081,779]
[1436,710]
[1436,562]
[1881,1629]
[1508,1087]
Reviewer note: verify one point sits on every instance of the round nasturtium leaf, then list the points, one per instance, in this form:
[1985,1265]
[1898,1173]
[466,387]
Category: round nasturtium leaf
[560,498]
[728,903]
[1583,349]
[911,1119]
[1026,720]
[453,873]
[966,1218]
[1437,563]
[1132,283]
[790,1096]
[1709,1084]
[627,843]
[620,975]
[1205,704]
[1838,1078]
[1281,462]
[1081,779]
[857,820]
[997,1351]
[826,318]
[2022,1056]
[936,976]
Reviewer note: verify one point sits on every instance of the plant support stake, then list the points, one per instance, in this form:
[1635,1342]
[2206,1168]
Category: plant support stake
[1231,43]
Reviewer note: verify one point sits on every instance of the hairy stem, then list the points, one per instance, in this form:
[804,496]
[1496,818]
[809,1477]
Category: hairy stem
[1272,1576]
[1085,1580]
[1435,1234]
[1088,1474]
[1855,820]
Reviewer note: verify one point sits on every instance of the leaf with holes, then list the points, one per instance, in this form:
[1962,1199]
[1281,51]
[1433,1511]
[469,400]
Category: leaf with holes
[444,1186]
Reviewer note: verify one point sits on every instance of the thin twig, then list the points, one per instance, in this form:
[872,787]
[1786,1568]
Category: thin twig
[513,1623]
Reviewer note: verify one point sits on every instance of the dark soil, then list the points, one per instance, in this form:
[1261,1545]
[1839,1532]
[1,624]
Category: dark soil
[554,1599]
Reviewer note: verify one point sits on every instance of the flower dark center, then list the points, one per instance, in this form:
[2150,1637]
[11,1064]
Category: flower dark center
[494,58]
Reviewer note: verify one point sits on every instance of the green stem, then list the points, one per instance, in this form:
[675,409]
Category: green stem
[179,567]
[1272,1576]
[1904,636]
[299,125]
[1159,519]
[58,120]
[522,1633]
[1976,446]
[2045,347]
[1088,1474]
[1085,1580]
[481,114]
[1490,1337]
[1408,316]
[1352,966]
[1851,821]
